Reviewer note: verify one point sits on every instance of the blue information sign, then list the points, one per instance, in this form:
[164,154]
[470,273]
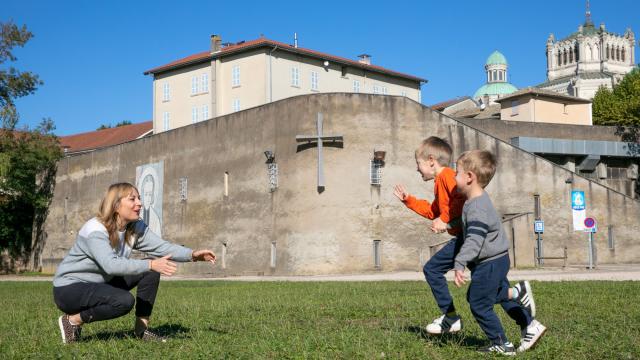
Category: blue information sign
[577,200]
[538,226]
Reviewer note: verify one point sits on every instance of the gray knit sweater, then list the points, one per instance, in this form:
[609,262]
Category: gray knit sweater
[92,259]
[484,237]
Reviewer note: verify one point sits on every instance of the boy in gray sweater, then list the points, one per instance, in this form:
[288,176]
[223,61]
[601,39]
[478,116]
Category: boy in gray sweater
[485,252]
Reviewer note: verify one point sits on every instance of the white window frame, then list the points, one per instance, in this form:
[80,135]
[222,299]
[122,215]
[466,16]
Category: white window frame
[314,80]
[376,89]
[295,76]
[194,114]
[204,82]
[205,112]
[235,105]
[235,76]
[166,92]
[403,93]
[385,91]
[166,118]
[356,86]
[194,85]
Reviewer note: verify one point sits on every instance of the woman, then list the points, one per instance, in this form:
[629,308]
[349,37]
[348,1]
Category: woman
[93,281]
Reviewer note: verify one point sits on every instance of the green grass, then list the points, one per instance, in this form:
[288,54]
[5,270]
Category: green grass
[280,320]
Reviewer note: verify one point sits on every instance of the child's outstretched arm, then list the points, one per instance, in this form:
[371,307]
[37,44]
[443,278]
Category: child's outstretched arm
[420,207]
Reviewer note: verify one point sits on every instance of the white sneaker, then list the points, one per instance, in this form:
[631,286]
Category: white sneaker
[444,324]
[530,335]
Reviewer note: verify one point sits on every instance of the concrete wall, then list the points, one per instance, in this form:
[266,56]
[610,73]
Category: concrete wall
[332,231]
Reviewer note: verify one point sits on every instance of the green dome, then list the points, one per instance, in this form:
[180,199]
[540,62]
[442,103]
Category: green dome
[496,58]
[499,88]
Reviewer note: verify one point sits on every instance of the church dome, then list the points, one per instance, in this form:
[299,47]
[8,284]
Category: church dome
[496,58]
[498,88]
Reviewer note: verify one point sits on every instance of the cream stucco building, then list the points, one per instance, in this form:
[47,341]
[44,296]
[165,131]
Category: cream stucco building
[234,77]
[587,59]
[544,106]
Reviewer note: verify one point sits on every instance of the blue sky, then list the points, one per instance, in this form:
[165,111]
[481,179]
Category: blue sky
[91,55]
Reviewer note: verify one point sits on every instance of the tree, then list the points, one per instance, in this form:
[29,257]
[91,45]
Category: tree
[27,164]
[13,83]
[108,126]
[622,105]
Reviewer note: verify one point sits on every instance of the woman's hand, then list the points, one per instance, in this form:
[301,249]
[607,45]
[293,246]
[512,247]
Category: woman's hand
[204,255]
[164,266]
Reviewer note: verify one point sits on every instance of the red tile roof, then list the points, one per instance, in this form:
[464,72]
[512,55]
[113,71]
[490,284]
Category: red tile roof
[263,42]
[103,138]
[445,104]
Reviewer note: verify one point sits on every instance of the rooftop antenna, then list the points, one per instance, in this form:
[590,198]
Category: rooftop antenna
[295,40]
[588,15]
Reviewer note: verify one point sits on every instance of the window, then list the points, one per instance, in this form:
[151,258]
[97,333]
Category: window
[205,112]
[344,71]
[165,120]
[565,109]
[384,90]
[500,75]
[236,105]
[166,95]
[356,86]
[204,82]
[295,77]
[194,85]
[226,183]
[194,114]
[314,80]
[403,93]
[273,255]
[514,108]
[375,173]
[377,263]
[235,76]
[376,89]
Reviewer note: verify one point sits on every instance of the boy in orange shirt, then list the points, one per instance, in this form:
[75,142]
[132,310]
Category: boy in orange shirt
[432,157]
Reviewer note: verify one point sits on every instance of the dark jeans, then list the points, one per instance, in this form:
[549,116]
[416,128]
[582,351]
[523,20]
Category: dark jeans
[489,286]
[103,301]
[434,271]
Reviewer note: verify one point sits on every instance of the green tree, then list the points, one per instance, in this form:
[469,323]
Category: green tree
[108,126]
[27,164]
[622,105]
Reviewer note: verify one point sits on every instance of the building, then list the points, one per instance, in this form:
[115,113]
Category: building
[233,77]
[217,191]
[587,59]
[497,84]
[537,105]
[93,140]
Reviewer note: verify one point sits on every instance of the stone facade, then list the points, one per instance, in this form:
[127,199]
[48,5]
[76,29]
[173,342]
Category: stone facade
[351,226]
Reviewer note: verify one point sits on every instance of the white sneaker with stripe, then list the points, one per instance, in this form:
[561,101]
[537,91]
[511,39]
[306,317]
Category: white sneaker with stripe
[530,335]
[525,297]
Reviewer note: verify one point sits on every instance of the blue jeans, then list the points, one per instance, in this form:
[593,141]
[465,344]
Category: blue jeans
[489,286]
[434,271]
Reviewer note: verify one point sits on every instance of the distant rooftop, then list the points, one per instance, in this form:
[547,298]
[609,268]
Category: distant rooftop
[107,137]
[263,42]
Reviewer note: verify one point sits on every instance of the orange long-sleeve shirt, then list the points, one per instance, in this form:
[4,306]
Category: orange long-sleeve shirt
[447,204]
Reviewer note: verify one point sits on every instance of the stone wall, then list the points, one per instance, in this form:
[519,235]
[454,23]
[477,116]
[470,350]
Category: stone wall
[332,232]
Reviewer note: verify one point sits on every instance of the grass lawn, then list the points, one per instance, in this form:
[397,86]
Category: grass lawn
[276,320]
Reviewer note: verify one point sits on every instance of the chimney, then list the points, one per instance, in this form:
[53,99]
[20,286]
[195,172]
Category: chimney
[365,59]
[216,40]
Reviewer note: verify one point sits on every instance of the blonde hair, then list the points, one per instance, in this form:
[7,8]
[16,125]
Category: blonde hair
[480,162]
[108,212]
[437,148]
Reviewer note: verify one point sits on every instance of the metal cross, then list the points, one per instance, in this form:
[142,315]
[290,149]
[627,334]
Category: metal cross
[311,140]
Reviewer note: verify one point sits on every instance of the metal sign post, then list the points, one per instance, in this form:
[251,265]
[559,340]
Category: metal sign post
[538,227]
[590,226]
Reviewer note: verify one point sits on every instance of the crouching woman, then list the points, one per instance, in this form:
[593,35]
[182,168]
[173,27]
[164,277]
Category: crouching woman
[93,281]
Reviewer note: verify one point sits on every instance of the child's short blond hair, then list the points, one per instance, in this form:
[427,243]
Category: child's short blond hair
[437,148]
[480,162]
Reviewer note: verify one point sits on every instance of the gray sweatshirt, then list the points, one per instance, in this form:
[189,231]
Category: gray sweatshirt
[92,259]
[484,237]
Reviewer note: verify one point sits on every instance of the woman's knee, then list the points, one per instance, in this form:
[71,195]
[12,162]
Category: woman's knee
[124,302]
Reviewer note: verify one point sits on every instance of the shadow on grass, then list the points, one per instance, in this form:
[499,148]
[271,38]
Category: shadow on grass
[171,331]
[447,339]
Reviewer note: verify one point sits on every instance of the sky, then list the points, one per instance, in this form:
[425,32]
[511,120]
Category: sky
[91,55]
